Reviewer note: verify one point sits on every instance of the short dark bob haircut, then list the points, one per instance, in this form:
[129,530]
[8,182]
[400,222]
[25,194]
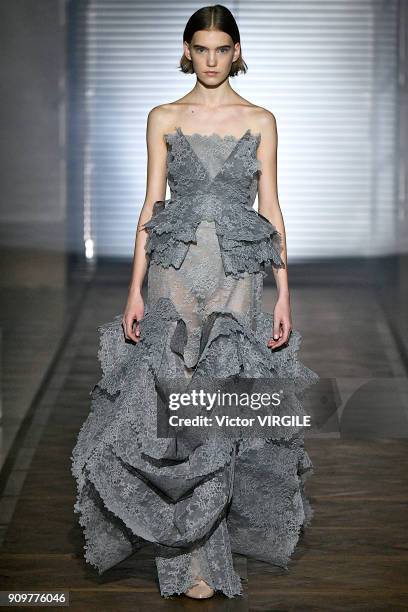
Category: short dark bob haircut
[216,17]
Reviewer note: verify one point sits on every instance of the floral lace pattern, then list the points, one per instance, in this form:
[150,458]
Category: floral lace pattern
[215,179]
[196,503]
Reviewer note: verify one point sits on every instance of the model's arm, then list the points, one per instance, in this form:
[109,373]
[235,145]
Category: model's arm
[155,190]
[269,207]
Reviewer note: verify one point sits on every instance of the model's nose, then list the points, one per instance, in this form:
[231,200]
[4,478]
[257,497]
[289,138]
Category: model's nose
[212,60]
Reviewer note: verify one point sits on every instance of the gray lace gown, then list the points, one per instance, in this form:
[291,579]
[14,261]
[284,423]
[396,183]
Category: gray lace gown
[208,254]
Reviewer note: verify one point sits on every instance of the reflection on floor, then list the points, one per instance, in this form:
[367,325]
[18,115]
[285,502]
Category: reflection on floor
[352,557]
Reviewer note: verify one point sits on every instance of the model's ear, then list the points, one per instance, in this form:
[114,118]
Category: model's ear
[237,51]
[187,50]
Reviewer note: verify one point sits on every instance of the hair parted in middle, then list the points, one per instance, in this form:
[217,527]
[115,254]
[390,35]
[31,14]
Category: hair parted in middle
[215,17]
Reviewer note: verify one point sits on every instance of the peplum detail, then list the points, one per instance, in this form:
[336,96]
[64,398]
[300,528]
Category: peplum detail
[171,229]
[248,241]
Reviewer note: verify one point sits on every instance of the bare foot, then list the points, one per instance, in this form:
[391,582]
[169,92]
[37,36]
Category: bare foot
[200,590]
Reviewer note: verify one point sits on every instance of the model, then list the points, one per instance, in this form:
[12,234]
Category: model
[206,251]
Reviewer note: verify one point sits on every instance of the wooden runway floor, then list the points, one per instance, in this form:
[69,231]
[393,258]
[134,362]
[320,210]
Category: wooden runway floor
[353,557]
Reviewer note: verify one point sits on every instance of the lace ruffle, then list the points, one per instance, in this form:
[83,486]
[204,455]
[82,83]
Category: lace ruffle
[171,229]
[135,488]
[247,240]
[248,243]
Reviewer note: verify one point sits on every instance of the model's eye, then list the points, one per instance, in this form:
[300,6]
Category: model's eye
[200,49]
[224,49]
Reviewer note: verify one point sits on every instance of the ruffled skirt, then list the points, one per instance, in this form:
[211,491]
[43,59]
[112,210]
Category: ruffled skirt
[196,505]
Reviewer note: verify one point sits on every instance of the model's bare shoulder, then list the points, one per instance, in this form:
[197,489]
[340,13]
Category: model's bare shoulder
[266,123]
[159,121]
[163,117]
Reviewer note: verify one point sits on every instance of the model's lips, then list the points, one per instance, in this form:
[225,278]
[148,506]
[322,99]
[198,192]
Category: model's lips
[211,72]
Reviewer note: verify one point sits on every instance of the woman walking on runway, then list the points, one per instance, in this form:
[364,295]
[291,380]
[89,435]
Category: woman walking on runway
[206,251]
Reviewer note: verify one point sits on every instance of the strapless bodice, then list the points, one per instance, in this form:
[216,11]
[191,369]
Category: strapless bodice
[213,178]
[223,166]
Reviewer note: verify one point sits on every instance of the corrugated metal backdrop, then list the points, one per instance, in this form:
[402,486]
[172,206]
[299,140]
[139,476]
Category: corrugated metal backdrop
[326,69]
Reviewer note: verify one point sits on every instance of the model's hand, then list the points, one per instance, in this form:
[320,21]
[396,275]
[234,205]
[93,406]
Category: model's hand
[134,312]
[282,325]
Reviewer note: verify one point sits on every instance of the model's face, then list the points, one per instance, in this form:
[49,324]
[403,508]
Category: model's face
[212,53]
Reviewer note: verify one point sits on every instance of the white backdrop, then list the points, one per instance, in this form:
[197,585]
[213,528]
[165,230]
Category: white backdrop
[326,69]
